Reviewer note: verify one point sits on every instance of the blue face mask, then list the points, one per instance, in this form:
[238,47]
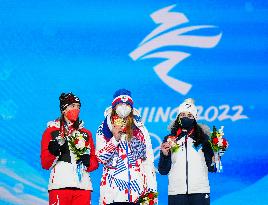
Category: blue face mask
[187,123]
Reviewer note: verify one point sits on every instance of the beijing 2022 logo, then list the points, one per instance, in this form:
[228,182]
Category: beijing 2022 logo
[168,34]
[164,42]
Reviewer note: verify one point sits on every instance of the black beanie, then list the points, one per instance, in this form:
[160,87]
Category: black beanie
[68,99]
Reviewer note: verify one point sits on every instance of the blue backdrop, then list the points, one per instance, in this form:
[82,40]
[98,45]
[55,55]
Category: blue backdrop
[164,52]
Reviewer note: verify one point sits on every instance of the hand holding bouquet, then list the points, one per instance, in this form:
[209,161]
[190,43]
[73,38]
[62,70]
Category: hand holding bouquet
[79,146]
[172,140]
[219,146]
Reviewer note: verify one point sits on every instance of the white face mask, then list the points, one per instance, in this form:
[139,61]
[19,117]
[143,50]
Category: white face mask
[123,110]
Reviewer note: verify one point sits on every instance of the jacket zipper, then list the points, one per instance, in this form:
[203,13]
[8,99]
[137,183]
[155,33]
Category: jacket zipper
[128,174]
[186,164]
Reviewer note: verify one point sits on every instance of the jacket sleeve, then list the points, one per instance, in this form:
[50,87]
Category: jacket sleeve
[147,166]
[106,148]
[47,159]
[138,146]
[208,154]
[164,164]
[93,161]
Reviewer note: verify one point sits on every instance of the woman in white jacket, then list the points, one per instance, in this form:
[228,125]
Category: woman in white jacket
[187,166]
[124,147]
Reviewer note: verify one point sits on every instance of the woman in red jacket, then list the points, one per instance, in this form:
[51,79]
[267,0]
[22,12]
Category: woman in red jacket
[68,150]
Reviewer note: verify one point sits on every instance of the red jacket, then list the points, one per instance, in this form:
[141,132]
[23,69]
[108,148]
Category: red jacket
[62,167]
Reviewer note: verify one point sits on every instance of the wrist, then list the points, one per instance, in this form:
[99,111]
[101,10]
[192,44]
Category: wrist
[165,153]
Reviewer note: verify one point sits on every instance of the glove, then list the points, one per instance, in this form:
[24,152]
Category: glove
[212,167]
[54,147]
[84,159]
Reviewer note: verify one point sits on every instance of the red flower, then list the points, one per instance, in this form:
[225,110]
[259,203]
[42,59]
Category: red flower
[87,143]
[173,138]
[215,141]
[76,141]
[151,195]
[151,202]
[224,143]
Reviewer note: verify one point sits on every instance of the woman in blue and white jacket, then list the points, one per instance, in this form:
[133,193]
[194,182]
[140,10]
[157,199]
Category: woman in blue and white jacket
[126,152]
[188,167]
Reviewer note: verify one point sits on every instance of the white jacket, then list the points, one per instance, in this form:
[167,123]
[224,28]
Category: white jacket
[189,172]
[64,174]
[187,167]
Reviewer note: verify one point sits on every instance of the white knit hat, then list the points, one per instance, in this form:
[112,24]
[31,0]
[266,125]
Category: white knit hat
[188,106]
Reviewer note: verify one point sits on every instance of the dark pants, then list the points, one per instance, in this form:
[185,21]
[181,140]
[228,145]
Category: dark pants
[189,199]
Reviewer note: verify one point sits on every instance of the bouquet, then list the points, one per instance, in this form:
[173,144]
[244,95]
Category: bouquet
[173,143]
[150,198]
[219,146]
[79,146]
